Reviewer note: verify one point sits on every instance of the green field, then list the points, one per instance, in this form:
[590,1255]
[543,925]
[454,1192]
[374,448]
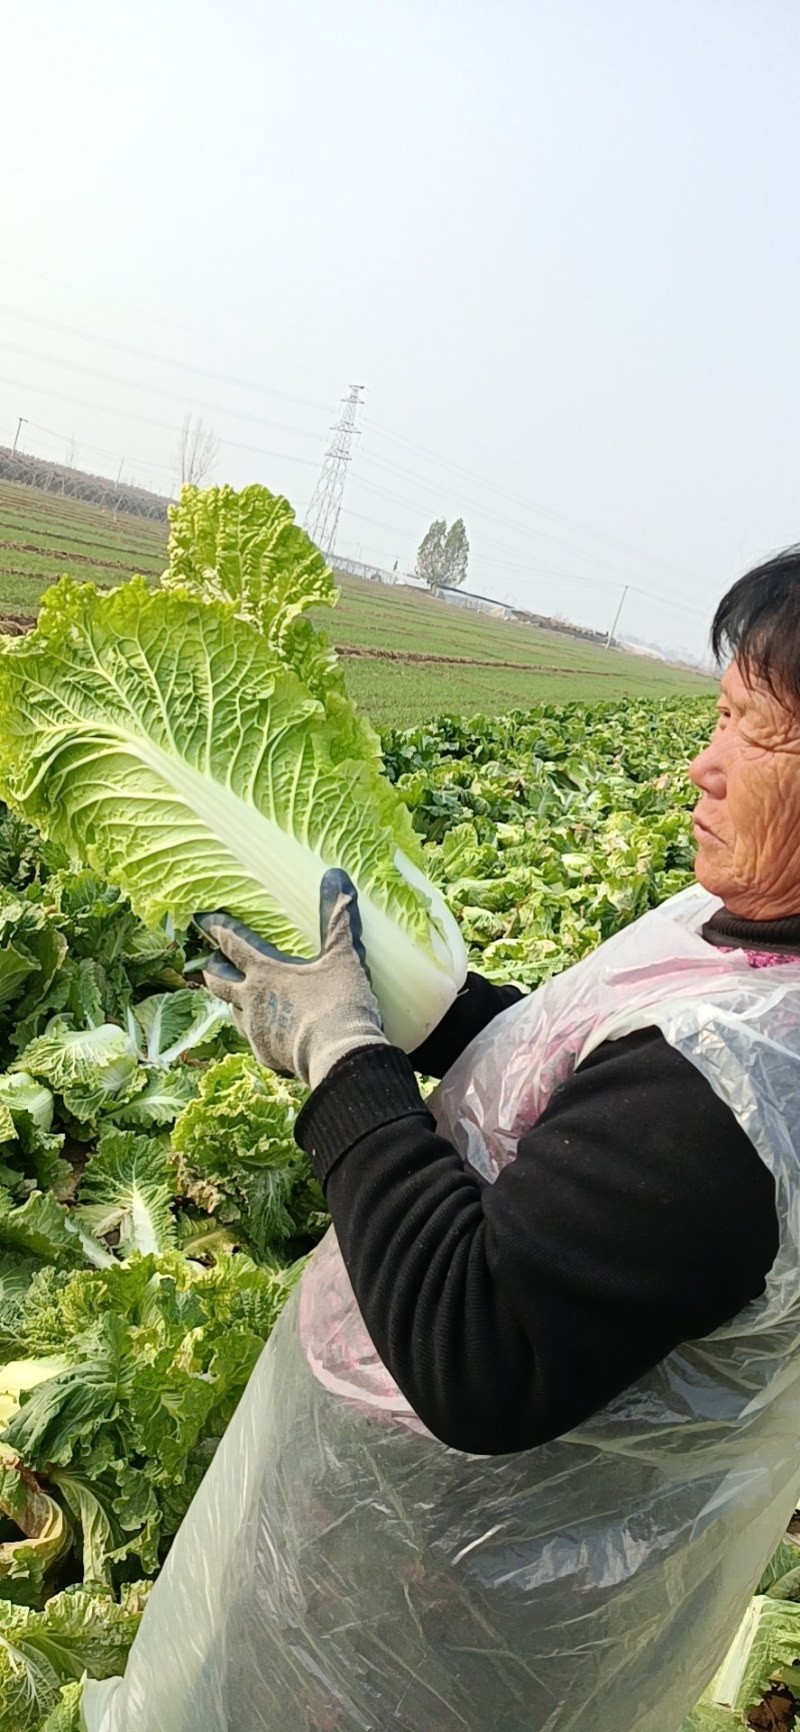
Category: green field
[408,656]
[43,535]
[478,664]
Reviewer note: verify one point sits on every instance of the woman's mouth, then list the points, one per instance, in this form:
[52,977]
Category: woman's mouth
[702,831]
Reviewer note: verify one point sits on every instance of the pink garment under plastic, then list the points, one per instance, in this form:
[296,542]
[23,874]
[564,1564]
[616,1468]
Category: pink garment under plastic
[340,1570]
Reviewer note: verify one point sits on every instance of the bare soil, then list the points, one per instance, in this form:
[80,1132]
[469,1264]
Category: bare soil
[365,653]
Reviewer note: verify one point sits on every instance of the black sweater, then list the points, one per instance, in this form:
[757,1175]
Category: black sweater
[637,1215]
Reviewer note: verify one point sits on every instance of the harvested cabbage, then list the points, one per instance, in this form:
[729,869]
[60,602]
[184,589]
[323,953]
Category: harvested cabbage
[169,739]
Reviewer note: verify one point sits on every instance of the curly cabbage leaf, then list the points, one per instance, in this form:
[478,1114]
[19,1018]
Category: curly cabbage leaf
[129,1185]
[91,1506]
[30,1152]
[86,1066]
[31,951]
[41,1227]
[16,1272]
[174,1023]
[158,1104]
[40,1652]
[237,1156]
[67,1715]
[65,1411]
[158,1352]
[246,549]
[20,1095]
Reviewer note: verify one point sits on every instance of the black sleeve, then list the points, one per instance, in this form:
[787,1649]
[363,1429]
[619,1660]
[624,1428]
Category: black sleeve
[637,1215]
[477,1004]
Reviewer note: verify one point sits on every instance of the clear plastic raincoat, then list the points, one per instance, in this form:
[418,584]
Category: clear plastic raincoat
[340,1570]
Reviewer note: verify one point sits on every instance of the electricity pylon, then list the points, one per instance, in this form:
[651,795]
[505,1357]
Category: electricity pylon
[322,517]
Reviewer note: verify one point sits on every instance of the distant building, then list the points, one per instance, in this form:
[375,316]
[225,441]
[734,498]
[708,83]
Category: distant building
[478,603]
[357,568]
[640,649]
[461,597]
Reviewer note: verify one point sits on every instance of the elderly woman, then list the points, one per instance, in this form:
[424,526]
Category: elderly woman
[527,1478]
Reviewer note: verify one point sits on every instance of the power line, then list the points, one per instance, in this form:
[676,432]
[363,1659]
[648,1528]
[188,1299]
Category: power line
[154,390]
[380,463]
[103,450]
[153,319]
[383,432]
[527,566]
[322,517]
[221,409]
[529,504]
[486,511]
[149,421]
[160,360]
[523,529]
[483,511]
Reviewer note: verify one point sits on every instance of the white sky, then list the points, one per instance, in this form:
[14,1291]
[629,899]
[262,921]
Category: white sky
[556,240]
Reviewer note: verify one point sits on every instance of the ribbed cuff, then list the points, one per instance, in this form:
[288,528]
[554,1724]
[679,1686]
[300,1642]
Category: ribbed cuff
[476,1005]
[367,1089]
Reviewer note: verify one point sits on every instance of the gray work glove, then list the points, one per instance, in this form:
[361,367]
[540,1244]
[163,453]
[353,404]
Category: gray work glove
[300,1017]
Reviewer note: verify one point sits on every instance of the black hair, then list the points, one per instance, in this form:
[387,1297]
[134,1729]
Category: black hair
[758,622]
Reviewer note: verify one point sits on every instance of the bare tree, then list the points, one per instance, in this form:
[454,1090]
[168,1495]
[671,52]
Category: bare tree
[198,451]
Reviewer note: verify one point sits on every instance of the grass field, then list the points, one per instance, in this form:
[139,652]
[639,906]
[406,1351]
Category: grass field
[478,664]
[42,536]
[408,656]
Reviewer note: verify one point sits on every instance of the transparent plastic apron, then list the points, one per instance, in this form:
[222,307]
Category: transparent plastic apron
[341,1570]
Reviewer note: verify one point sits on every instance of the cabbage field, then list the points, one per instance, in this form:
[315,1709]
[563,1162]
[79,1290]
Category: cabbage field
[154,1209]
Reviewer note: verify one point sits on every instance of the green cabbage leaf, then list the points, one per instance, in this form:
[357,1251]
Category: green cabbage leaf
[41,1652]
[128,1188]
[43,1534]
[237,1156]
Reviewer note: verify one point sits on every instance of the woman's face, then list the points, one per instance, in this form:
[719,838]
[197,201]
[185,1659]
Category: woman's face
[747,820]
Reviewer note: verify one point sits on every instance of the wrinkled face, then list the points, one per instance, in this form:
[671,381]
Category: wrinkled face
[747,820]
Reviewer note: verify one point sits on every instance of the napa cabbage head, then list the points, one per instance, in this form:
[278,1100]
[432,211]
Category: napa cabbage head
[169,739]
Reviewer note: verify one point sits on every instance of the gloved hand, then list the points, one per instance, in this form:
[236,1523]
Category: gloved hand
[300,1017]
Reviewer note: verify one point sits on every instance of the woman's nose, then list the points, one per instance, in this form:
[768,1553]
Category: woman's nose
[707,772]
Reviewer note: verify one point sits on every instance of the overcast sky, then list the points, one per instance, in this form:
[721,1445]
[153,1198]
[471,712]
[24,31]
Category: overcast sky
[557,241]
